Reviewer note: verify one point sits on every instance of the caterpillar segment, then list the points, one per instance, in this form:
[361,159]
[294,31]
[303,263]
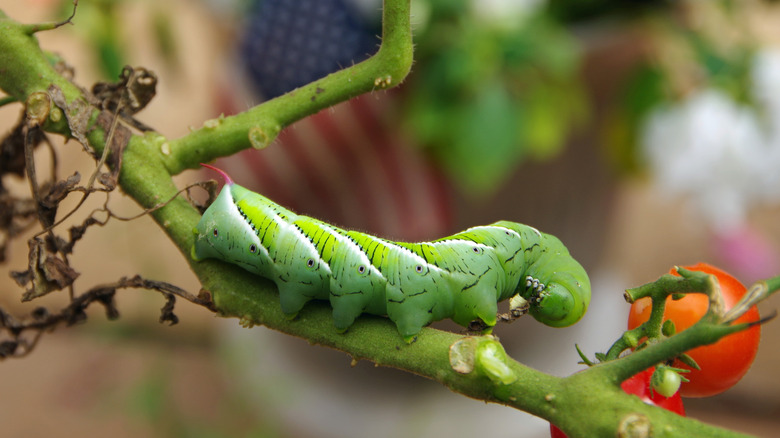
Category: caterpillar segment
[461,277]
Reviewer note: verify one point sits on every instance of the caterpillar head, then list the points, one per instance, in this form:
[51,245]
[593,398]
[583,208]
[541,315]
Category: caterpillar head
[560,304]
[559,290]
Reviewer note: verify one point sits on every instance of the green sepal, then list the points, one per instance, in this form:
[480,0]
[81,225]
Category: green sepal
[668,328]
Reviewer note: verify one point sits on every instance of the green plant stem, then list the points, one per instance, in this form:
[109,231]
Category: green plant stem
[558,400]
[658,291]
[757,292]
[6,100]
[259,126]
[150,160]
[24,69]
[704,332]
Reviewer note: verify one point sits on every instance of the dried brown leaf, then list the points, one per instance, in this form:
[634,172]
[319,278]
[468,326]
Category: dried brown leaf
[135,89]
[120,137]
[12,149]
[77,114]
[22,277]
[60,190]
[47,273]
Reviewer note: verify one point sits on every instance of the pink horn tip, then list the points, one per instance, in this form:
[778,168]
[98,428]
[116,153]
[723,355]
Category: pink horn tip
[224,175]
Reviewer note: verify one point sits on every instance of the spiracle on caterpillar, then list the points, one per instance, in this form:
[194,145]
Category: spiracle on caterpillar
[462,277]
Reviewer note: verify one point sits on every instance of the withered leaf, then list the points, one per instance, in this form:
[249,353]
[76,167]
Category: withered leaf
[120,137]
[12,149]
[22,277]
[8,348]
[54,243]
[109,303]
[60,190]
[3,245]
[166,313]
[77,114]
[134,90]
[109,180]
[58,271]
[47,273]
[76,232]
[52,195]
[46,214]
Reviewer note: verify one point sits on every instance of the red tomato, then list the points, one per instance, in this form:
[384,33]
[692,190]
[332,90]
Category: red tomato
[722,364]
[639,385]
[556,433]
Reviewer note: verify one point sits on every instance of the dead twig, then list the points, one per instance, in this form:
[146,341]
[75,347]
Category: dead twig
[42,320]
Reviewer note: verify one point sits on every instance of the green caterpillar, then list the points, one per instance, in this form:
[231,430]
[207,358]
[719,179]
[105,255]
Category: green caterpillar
[461,277]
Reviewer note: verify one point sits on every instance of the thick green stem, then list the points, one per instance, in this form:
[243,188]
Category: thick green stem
[558,400]
[704,332]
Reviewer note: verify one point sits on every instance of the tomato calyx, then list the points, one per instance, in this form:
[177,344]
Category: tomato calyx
[728,307]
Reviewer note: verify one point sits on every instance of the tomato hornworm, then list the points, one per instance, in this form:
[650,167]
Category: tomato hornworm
[461,277]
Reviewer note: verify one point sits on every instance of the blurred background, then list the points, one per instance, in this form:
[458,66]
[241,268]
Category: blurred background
[644,134]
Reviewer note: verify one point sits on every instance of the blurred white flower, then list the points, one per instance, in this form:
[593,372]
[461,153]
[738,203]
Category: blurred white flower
[505,14]
[722,155]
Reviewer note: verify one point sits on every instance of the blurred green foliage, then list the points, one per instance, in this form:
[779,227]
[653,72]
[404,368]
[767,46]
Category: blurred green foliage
[104,25]
[489,92]
[153,401]
[100,24]
[484,95]
[644,88]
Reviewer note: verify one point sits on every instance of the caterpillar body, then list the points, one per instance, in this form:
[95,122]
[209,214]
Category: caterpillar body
[461,277]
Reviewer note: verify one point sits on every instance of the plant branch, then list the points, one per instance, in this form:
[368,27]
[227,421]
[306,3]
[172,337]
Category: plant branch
[41,320]
[259,126]
[239,294]
[658,291]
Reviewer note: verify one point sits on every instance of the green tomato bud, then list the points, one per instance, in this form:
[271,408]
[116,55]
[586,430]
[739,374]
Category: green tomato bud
[665,381]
